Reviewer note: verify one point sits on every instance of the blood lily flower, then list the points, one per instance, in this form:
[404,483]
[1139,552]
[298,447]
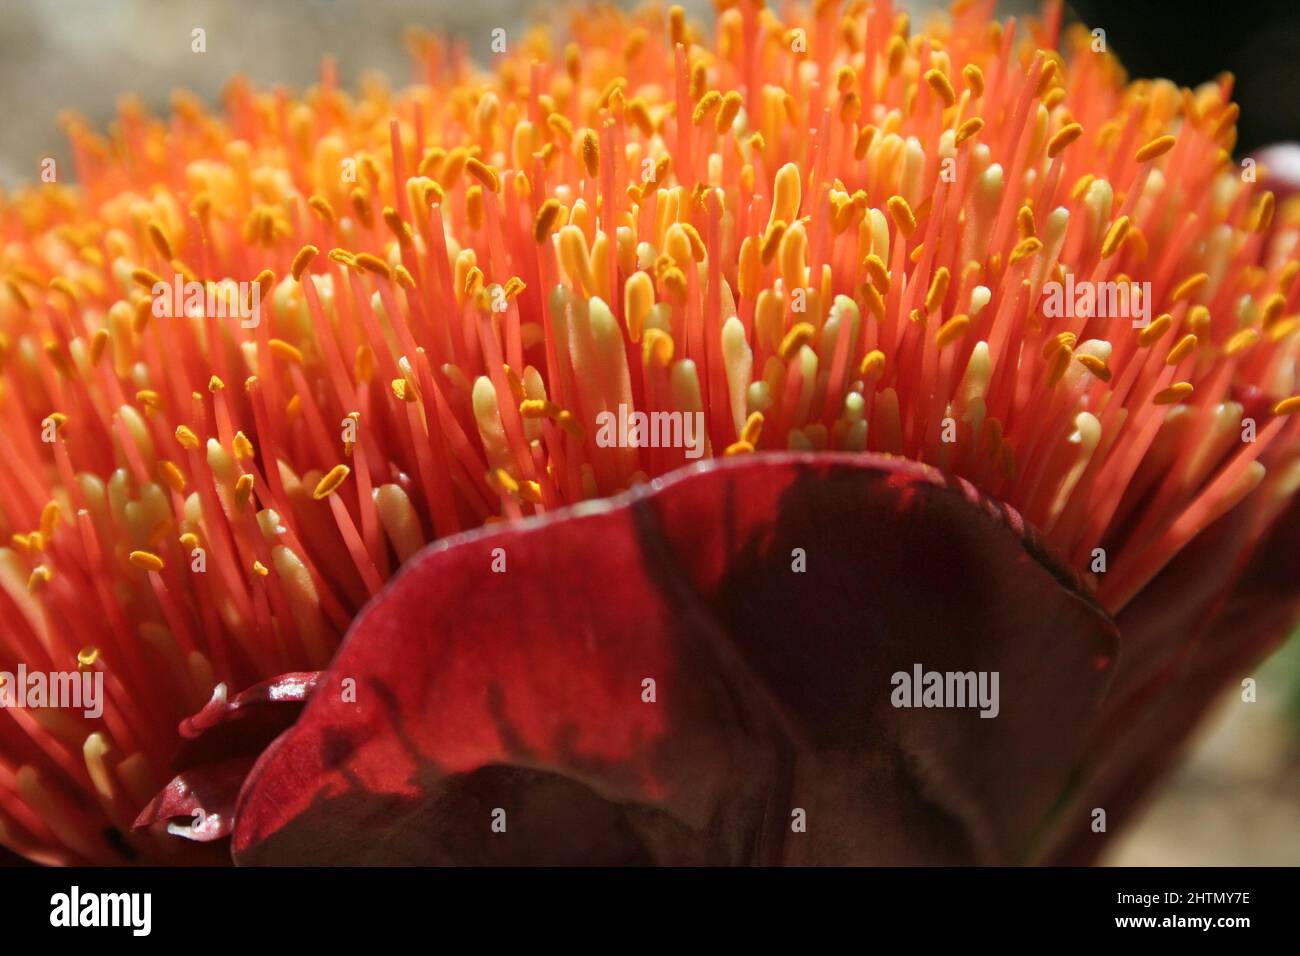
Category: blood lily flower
[989,354]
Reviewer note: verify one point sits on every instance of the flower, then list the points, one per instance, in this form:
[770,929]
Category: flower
[256,362]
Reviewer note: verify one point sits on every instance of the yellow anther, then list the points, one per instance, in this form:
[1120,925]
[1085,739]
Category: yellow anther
[772,241]
[968,129]
[1025,224]
[1274,306]
[872,364]
[1288,406]
[322,208]
[1063,137]
[538,408]
[331,481]
[39,577]
[372,263]
[403,390]
[1264,212]
[1181,350]
[591,153]
[146,560]
[185,435]
[546,218]
[1189,286]
[243,490]
[1157,147]
[1025,248]
[939,82]
[727,112]
[1240,341]
[1117,233]
[800,335]
[159,240]
[1174,393]
[1153,332]
[709,102]
[171,476]
[938,289]
[657,348]
[145,279]
[302,260]
[951,330]
[1095,365]
[49,518]
[877,272]
[1056,341]
[363,364]
[502,482]
[902,214]
[283,350]
[1058,362]
[484,173]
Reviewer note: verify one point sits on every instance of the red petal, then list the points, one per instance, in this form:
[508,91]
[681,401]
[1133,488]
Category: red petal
[205,797]
[287,688]
[1200,627]
[221,742]
[522,690]
[243,724]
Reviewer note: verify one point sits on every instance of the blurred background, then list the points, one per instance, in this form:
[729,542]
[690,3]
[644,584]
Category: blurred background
[1237,789]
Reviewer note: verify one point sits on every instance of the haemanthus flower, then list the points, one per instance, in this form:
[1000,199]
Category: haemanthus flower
[828,235]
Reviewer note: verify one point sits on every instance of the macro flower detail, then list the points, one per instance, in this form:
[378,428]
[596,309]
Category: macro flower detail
[755,700]
[1002,343]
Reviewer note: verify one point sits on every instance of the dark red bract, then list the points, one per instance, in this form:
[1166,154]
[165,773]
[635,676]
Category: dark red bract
[502,678]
